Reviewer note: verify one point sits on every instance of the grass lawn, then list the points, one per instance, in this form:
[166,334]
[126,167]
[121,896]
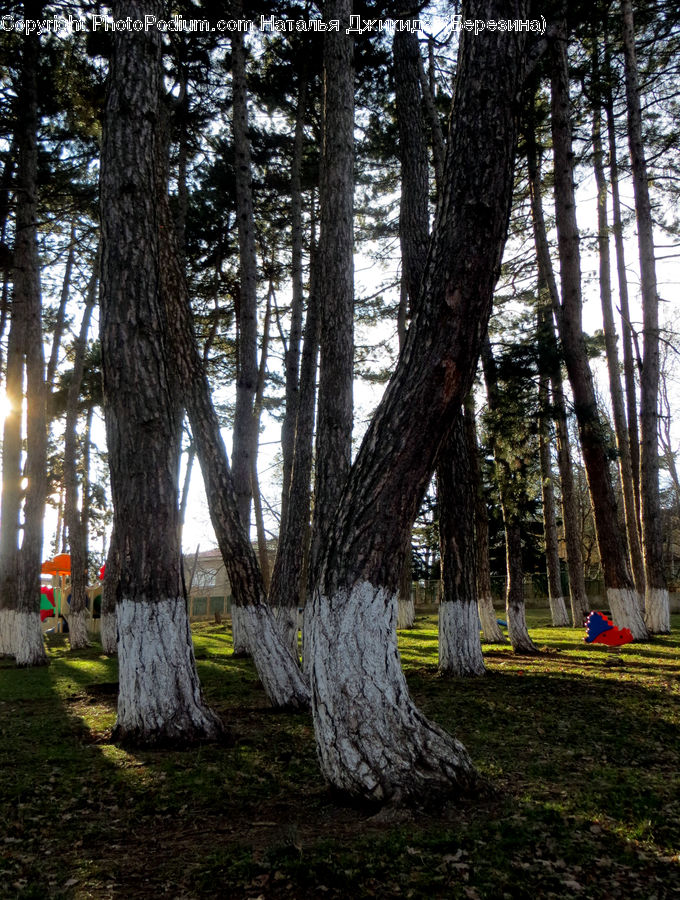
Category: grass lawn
[580,743]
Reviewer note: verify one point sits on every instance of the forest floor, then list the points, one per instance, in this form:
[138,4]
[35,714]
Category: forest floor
[580,743]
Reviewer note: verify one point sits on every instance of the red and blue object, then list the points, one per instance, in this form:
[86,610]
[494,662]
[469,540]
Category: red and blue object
[46,603]
[601,630]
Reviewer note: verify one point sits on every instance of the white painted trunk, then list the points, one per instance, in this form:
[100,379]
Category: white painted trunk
[406,613]
[487,616]
[284,683]
[372,741]
[558,612]
[460,646]
[29,649]
[159,697]
[109,633]
[239,636]
[657,611]
[287,620]
[77,630]
[624,604]
[518,632]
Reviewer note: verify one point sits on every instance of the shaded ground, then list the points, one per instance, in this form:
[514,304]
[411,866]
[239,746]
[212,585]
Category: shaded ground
[580,743]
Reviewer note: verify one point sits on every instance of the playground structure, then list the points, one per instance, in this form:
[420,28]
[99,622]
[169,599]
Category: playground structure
[55,596]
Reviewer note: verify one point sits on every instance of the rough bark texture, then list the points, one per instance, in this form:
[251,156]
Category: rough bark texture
[512,492]
[26,303]
[657,612]
[336,245]
[616,393]
[159,698]
[372,740]
[244,449]
[610,540]
[547,283]
[460,647]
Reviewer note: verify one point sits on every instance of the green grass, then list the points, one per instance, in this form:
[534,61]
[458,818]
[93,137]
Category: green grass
[580,743]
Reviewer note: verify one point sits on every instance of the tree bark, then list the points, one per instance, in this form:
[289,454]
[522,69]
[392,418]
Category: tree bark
[577,589]
[244,449]
[29,649]
[77,531]
[512,494]
[558,609]
[372,740]
[336,245]
[487,614]
[616,393]
[460,647]
[61,312]
[621,595]
[159,697]
[657,614]
[109,624]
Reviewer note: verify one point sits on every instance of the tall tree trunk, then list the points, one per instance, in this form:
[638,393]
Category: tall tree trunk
[336,245]
[513,497]
[292,350]
[61,312]
[257,415]
[29,649]
[622,275]
[558,609]
[245,429]
[77,532]
[577,589]
[109,620]
[487,614]
[621,595]
[288,584]
[618,405]
[657,614]
[159,698]
[460,647]
[372,740]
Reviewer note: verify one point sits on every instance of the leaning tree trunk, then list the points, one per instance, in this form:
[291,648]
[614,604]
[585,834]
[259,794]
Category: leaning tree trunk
[513,499]
[577,588]
[77,532]
[460,647]
[336,294]
[29,649]
[621,594]
[610,337]
[244,449]
[657,613]
[372,740]
[558,609]
[159,698]
[491,630]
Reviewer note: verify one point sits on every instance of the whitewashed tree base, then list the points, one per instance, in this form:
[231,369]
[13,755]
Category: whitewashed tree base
[77,630]
[159,696]
[373,742]
[109,633]
[625,609]
[282,678]
[558,612]
[657,611]
[518,632]
[239,637]
[406,613]
[287,620]
[487,616]
[7,626]
[460,647]
[29,648]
